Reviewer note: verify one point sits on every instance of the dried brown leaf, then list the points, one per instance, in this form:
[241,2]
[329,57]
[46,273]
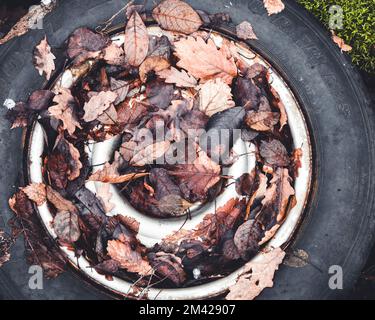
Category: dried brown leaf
[136,40]
[129,259]
[340,43]
[66,226]
[36,192]
[273,6]
[114,55]
[98,104]
[274,153]
[176,15]
[154,63]
[63,110]
[150,153]
[245,31]
[262,120]
[215,96]
[204,60]
[179,78]
[43,58]
[59,202]
[257,276]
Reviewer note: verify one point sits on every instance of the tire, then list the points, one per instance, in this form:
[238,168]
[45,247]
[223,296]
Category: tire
[338,228]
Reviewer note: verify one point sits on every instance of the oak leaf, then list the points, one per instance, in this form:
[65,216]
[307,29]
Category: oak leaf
[36,192]
[179,78]
[136,40]
[257,275]
[273,6]
[245,31]
[129,259]
[43,58]
[63,110]
[176,15]
[215,96]
[98,104]
[204,60]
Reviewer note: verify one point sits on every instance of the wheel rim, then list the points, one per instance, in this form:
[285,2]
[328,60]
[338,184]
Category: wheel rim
[152,230]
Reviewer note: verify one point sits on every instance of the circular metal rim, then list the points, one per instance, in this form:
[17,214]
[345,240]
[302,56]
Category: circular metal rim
[216,287]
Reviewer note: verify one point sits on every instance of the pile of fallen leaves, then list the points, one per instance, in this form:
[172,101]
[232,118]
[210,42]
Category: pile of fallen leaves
[176,83]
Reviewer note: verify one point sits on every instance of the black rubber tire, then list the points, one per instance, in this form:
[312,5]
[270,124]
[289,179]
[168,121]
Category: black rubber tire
[339,225]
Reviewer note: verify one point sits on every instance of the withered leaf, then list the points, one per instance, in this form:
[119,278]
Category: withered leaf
[273,6]
[168,266]
[136,40]
[257,276]
[109,175]
[245,31]
[176,15]
[129,259]
[36,192]
[104,194]
[121,88]
[274,153]
[153,63]
[203,60]
[246,239]
[246,93]
[58,168]
[83,41]
[262,120]
[215,96]
[43,58]
[66,226]
[276,101]
[71,155]
[40,100]
[150,153]
[340,43]
[64,110]
[159,46]
[114,55]
[159,94]
[179,78]
[98,104]
[196,178]
[59,202]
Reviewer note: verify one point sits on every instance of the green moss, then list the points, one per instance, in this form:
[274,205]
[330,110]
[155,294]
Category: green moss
[358,27]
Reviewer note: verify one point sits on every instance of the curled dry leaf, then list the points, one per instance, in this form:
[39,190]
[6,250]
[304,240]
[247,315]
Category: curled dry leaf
[276,101]
[179,78]
[154,63]
[273,6]
[66,226]
[129,259]
[245,31]
[176,15]
[274,153]
[340,43]
[36,192]
[43,58]
[257,275]
[98,104]
[106,176]
[136,40]
[204,60]
[63,110]
[215,96]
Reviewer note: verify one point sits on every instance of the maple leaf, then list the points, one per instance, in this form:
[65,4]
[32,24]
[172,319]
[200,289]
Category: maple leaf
[98,104]
[176,15]
[257,275]
[129,259]
[274,153]
[63,110]
[340,43]
[179,78]
[36,192]
[273,6]
[215,96]
[245,31]
[66,226]
[136,40]
[204,60]
[196,178]
[43,58]
[154,63]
